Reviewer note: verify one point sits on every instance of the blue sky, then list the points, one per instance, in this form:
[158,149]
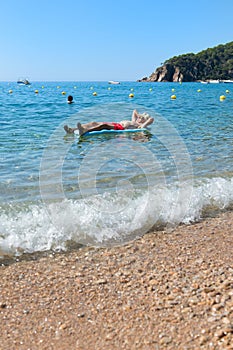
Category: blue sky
[106,39]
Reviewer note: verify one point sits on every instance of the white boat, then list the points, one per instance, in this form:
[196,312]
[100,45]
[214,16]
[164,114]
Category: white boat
[23,82]
[114,82]
[227,81]
[213,81]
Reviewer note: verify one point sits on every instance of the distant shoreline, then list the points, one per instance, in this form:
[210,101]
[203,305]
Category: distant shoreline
[106,81]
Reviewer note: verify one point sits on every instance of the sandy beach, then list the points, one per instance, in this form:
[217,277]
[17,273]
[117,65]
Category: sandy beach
[163,291]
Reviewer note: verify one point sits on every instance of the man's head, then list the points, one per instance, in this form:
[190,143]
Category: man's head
[70,99]
[143,117]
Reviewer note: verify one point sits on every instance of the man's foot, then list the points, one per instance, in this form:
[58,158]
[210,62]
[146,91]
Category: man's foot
[68,130]
[80,129]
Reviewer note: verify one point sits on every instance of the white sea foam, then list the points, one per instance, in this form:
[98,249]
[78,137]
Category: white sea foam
[108,218]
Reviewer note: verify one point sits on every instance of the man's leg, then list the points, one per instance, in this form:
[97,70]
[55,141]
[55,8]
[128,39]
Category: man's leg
[101,126]
[69,130]
[85,127]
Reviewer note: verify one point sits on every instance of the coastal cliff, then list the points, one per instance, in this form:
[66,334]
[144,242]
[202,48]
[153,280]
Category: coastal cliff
[212,63]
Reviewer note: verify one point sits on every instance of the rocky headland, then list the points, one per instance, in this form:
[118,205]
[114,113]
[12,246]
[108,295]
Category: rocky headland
[211,64]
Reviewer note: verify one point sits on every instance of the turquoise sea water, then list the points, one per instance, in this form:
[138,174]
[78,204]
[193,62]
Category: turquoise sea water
[57,189]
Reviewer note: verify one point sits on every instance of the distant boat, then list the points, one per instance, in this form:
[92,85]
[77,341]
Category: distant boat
[213,81]
[114,82]
[227,81]
[23,82]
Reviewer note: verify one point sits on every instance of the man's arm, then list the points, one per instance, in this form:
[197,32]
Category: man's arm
[147,122]
[135,115]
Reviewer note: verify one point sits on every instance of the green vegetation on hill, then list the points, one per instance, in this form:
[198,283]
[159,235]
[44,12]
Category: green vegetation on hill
[213,63]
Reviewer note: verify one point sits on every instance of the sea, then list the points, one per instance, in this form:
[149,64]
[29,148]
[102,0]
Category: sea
[61,192]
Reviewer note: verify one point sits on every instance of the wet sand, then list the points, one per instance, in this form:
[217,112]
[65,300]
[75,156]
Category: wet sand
[163,291]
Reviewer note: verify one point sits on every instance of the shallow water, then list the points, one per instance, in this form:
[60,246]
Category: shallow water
[108,189]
